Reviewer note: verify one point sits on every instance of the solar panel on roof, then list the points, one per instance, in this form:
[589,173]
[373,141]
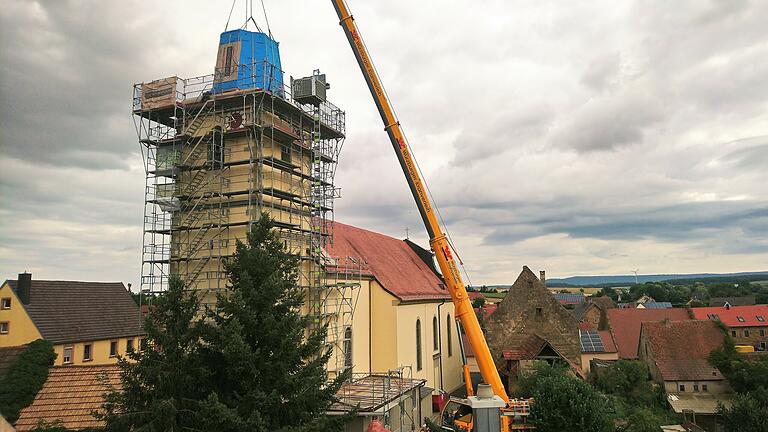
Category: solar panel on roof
[590,341]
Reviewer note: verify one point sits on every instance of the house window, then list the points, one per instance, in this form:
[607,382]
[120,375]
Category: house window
[762,332]
[418,345]
[682,387]
[762,346]
[746,333]
[448,325]
[285,153]
[435,334]
[87,352]
[6,303]
[113,348]
[129,345]
[760,318]
[67,358]
[713,317]
[143,344]
[733,333]
[348,347]
[704,388]
[695,387]
[4,327]
[740,318]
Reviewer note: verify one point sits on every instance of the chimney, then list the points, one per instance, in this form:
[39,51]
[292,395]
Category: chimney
[24,287]
[543,277]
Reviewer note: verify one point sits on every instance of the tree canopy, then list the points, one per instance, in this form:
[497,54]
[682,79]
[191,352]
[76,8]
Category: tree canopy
[249,363]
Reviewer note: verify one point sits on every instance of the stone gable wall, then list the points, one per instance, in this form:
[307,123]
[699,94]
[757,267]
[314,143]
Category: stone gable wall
[529,308]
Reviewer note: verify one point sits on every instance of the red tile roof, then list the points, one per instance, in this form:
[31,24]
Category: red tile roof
[608,343]
[70,394]
[474,295]
[680,349]
[625,326]
[730,316]
[394,264]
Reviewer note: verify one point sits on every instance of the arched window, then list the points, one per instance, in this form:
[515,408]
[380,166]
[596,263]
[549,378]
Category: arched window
[448,325]
[435,334]
[418,345]
[348,347]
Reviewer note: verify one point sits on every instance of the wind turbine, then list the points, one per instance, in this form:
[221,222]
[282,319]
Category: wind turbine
[635,272]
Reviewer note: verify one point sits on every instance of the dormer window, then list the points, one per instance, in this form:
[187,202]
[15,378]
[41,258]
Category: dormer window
[727,306]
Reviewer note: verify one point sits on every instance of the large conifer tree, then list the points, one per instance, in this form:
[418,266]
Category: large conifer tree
[271,373]
[249,365]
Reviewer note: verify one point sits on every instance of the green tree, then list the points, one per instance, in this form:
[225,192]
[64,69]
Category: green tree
[629,380]
[478,302]
[165,387]
[565,403]
[249,364]
[271,369]
[529,380]
[25,378]
[747,412]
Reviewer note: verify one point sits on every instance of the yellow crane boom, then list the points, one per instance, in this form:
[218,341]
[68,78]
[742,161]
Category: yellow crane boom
[437,239]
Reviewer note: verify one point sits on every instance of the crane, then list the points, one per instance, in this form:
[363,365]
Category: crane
[438,240]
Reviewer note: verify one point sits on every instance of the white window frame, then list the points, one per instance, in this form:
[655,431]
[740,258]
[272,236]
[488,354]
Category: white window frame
[7,327]
[67,359]
[4,300]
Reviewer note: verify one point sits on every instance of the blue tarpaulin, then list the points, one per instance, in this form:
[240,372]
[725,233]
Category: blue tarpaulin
[257,62]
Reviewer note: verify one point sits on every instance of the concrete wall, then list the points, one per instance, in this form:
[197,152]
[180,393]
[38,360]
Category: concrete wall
[21,329]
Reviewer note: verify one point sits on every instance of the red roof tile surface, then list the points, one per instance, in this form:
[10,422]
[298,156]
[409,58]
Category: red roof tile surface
[680,349]
[730,316]
[608,343]
[394,264]
[70,394]
[625,326]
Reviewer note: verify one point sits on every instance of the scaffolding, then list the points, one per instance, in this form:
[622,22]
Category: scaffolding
[215,160]
[393,396]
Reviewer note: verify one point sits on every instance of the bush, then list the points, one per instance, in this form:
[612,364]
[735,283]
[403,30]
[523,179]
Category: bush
[565,403]
[25,378]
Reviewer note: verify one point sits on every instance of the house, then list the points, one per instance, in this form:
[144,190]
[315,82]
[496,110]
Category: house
[746,324]
[596,345]
[87,322]
[625,324]
[530,324]
[569,299]
[676,354]
[592,313]
[70,395]
[732,301]
[404,326]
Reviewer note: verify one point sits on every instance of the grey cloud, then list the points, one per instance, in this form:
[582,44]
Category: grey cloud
[608,123]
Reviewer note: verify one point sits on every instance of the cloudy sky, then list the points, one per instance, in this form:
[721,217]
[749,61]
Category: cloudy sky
[577,137]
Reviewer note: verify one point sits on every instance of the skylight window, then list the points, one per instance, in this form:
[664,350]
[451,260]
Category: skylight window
[740,318]
[713,317]
[760,318]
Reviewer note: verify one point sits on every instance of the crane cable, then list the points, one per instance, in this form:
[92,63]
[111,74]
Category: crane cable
[421,173]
